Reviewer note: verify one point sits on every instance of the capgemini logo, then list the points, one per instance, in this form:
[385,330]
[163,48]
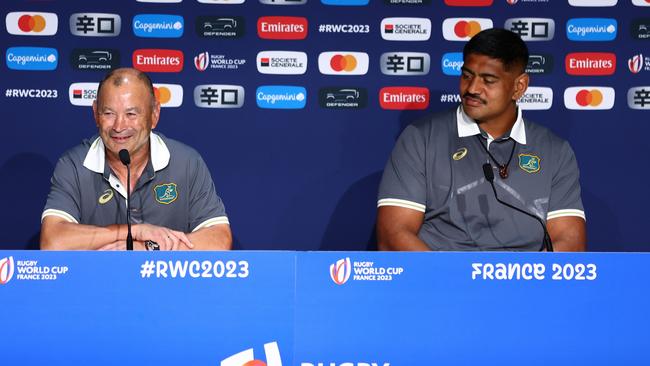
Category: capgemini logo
[247,357]
[6,269]
[340,271]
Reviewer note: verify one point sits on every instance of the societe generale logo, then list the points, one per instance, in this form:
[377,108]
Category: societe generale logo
[468,2]
[6,270]
[281,62]
[285,28]
[462,29]
[343,63]
[247,357]
[31,23]
[406,29]
[158,60]
[590,63]
[404,97]
[536,98]
[589,98]
[169,95]
[340,271]
[83,94]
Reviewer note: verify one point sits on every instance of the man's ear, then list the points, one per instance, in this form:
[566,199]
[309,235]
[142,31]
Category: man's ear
[155,115]
[95,115]
[521,84]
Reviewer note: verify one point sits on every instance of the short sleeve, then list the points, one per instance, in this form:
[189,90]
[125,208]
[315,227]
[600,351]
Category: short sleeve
[206,207]
[565,197]
[64,197]
[403,183]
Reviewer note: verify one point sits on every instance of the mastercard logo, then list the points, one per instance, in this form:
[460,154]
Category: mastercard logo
[32,24]
[589,97]
[462,29]
[29,23]
[467,29]
[168,95]
[345,63]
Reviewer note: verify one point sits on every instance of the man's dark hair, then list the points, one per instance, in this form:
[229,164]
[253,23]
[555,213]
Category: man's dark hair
[499,44]
[117,78]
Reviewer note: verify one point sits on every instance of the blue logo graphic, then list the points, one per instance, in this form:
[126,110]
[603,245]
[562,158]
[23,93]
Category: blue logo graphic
[158,26]
[451,63]
[345,2]
[32,58]
[591,29]
[281,97]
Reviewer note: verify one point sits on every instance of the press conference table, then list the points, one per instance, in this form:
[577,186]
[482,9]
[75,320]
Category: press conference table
[324,308]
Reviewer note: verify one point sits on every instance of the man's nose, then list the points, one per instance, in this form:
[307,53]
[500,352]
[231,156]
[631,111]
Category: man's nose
[121,123]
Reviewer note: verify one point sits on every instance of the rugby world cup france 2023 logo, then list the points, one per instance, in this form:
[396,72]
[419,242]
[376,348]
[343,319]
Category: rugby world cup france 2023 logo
[6,270]
[340,271]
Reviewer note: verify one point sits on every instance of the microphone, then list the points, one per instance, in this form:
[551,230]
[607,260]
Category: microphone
[125,158]
[489,176]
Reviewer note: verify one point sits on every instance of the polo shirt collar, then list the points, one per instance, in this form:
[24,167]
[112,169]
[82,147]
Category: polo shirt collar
[468,127]
[96,158]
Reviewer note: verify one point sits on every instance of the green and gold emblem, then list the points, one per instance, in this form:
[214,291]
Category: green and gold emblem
[105,197]
[165,193]
[529,163]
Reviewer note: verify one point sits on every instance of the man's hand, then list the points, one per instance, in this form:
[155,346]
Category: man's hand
[168,239]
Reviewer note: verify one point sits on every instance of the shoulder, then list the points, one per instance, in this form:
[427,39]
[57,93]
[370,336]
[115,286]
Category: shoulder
[542,136]
[437,124]
[77,154]
[178,150]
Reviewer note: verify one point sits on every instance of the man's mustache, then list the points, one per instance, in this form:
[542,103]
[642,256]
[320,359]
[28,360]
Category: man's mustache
[474,96]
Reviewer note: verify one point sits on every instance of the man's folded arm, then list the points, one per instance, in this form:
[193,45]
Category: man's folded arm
[215,237]
[398,227]
[58,233]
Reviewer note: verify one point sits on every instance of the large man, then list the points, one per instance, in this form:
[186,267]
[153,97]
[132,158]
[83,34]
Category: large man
[434,195]
[173,200]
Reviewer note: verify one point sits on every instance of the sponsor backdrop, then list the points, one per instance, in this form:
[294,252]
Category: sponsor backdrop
[296,104]
[324,308]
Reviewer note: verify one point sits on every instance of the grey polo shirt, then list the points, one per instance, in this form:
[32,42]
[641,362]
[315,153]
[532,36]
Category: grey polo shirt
[436,168]
[175,189]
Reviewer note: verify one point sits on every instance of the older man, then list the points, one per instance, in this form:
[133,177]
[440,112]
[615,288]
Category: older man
[174,205]
[434,194]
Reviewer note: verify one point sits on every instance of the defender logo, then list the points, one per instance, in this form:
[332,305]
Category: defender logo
[343,63]
[591,29]
[84,59]
[536,99]
[343,98]
[281,62]
[589,97]
[541,63]
[639,97]
[157,60]
[405,63]
[451,63]
[282,27]
[158,26]
[406,29]
[219,96]
[640,28]
[590,63]
[95,24]
[32,58]
[220,27]
[165,193]
[407,2]
[21,23]
[404,97]
[462,29]
[532,29]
